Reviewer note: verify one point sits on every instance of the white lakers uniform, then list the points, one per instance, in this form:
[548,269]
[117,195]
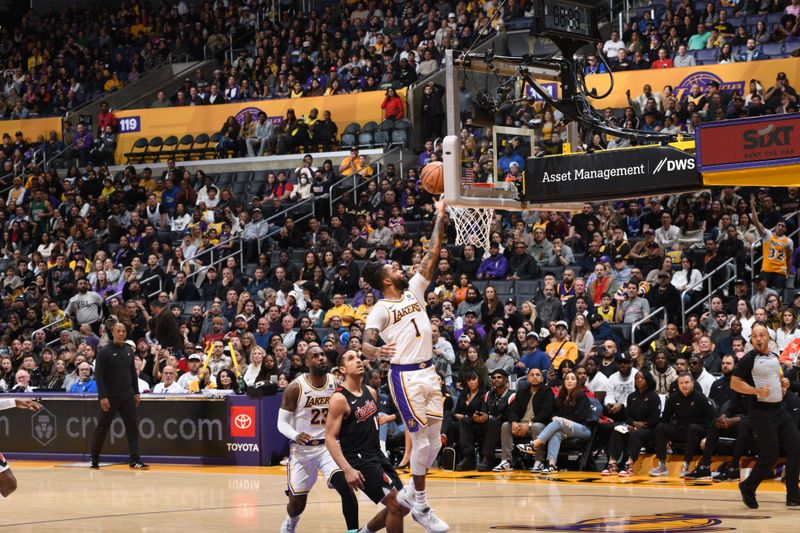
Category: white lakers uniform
[310,415]
[412,378]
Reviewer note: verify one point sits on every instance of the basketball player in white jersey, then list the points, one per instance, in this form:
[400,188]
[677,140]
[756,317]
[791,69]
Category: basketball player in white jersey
[8,483]
[301,419]
[400,320]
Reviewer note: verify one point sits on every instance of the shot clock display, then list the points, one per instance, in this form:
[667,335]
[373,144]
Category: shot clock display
[573,19]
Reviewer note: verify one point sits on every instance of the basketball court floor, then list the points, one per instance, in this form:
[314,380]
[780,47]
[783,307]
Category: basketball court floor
[57,497]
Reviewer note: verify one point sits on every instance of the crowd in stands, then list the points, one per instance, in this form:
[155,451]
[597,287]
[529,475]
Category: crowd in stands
[553,292]
[211,292]
[343,48]
[648,41]
[55,61]
[680,35]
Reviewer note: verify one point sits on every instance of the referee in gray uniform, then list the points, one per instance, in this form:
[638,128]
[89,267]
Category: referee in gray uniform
[759,376]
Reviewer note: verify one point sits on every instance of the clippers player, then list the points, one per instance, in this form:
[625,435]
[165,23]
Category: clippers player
[351,436]
[400,320]
[8,483]
[301,419]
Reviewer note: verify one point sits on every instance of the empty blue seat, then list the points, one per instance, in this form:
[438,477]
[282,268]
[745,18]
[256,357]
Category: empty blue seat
[772,49]
[707,55]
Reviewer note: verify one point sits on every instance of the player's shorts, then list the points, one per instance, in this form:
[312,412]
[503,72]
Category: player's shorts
[305,462]
[3,464]
[379,476]
[416,393]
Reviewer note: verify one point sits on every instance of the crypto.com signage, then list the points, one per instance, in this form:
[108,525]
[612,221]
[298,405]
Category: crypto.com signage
[766,141]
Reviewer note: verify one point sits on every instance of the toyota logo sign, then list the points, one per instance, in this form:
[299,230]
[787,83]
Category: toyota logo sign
[243,421]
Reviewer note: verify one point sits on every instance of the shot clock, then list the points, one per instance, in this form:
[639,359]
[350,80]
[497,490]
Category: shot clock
[574,20]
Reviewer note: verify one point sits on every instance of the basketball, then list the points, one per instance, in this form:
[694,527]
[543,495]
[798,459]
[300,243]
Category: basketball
[433,177]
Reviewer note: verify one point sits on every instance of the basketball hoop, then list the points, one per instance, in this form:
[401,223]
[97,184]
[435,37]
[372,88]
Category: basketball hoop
[473,225]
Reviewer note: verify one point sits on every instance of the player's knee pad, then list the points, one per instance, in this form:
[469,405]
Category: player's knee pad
[420,450]
[434,431]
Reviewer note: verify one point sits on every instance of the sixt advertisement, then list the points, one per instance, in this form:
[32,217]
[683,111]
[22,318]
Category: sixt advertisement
[610,174]
[749,143]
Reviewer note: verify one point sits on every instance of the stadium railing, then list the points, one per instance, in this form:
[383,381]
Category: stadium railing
[154,277]
[729,265]
[48,326]
[360,182]
[235,239]
[648,320]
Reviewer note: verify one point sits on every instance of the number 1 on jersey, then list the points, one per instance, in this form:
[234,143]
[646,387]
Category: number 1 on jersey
[414,321]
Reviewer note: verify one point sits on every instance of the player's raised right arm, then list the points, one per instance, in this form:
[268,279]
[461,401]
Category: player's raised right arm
[428,264]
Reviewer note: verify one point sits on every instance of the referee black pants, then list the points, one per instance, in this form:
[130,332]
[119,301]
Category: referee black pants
[126,406]
[774,427]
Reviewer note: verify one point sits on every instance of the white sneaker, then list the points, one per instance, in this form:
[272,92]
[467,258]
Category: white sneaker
[537,467]
[428,520]
[288,526]
[504,466]
[405,497]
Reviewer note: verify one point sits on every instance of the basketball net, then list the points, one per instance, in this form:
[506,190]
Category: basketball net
[473,225]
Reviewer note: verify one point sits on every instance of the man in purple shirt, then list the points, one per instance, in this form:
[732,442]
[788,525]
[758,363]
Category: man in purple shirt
[470,321]
[495,266]
[82,143]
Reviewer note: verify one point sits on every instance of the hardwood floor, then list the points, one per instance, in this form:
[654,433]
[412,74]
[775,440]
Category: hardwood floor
[59,498]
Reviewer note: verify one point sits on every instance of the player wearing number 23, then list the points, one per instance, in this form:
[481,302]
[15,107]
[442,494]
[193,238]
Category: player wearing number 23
[301,419]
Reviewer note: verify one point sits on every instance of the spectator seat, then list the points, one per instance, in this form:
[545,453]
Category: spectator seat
[138,151]
[350,135]
[154,147]
[184,147]
[200,147]
[525,289]
[366,139]
[213,142]
[706,55]
[169,147]
[772,49]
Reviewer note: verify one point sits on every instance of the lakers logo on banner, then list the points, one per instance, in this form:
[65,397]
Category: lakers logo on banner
[703,79]
[730,76]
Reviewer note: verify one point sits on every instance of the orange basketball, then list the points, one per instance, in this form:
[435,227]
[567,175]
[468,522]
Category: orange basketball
[433,177]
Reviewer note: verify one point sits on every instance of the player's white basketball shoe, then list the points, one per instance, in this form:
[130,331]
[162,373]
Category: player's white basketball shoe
[288,526]
[424,516]
[427,519]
